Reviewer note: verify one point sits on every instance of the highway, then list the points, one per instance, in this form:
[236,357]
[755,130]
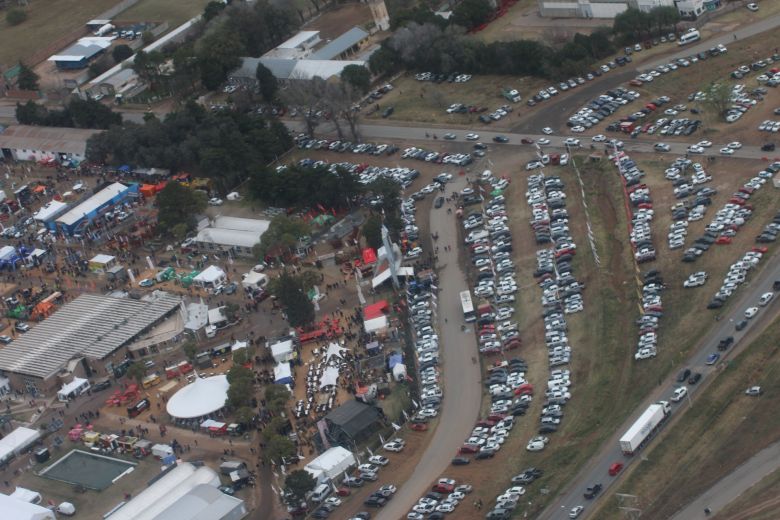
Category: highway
[460,376]
[596,470]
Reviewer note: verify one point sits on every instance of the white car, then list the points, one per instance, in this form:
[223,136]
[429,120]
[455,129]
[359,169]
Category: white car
[704,144]
[765,299]
[379,460]
[472,137]
[543,141]
[695,149]
[334,501]
[727,151]
[736,145]
[576,511]
[547,130]
[396,445]
[679,393]
[415,252]
[598,138]
[752,7]
[661,147]
[215,201]
[537,443]
[750,312]
[571,141]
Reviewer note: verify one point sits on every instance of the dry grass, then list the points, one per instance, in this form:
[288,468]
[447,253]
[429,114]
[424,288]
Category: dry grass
[721,430]
[47,22]
[758,503]
[426,102]
[174,12]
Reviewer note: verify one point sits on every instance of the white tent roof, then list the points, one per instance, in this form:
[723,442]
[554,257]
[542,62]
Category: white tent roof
[238,345]
[72,386]
[7,252]
[217,315]
[200,398]
[19,510]
[16,441]
[101,259]
[210,275]
[92,203]
[282,351]
[252,278]
[334,350]
[49,209]
[282,371]
[330,377]
[378,323]
[399,371]
[331,463]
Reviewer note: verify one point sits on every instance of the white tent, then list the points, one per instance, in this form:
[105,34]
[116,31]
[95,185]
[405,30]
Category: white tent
[20,510]
[283,374]
[210,277]
[399,372]
[254,280]
[331,464]
[330,377]
[16,442]
[334,350]
[378,324]
[73,389]
[217,316]
[282,351]
[200,398]
[238,345]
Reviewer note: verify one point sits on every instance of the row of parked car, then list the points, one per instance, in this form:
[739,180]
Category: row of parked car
[443,499]
[441,78]
[459,159]
[735,277]
[731,217]
[652,312]
[642,207]
[304,142]
[601,107]
[770,231]
[745,69]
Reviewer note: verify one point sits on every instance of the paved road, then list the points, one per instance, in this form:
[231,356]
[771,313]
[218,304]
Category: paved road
[596,470]
[733,485]
[460,376]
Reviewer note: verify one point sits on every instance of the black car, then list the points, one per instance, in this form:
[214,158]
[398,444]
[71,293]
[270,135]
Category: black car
[683,375]
[768,147]
[460,461]
[592,491]
[485,455]
[725,343]
[388,112]
[480,146]
[500,139]
[321,512]
[741,324]
[694,378]
[548,428]
[439,202]
[101,385]
[375,501]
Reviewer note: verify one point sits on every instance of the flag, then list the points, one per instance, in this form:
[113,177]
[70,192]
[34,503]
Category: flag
[395,426]
[381,440]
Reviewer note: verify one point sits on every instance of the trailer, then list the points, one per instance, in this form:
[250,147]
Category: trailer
[645,427]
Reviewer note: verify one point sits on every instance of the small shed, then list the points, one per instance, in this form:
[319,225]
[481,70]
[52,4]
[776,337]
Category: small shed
[253,280]
[102,263]
[210,277]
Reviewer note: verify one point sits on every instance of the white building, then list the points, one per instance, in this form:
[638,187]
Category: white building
[234,235]
[39,143]
[603,8]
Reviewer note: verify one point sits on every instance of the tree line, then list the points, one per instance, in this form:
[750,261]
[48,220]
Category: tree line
[78,113]
[226,146]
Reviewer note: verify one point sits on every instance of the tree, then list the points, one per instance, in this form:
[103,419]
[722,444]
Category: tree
[27,78]
[239,373]
[121,53]
[190,349]
[299,483]
[718,99]
[177,204]
[283,233]
[245,415]
[289,290]
[278,448]
[212,10]
[372,231]
[136,371]
[276,397]
[31,113]
[267,83]
[358,76]
[471,13]
[15,17]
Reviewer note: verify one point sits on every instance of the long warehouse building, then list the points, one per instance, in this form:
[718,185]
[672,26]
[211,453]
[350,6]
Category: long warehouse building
[92,328]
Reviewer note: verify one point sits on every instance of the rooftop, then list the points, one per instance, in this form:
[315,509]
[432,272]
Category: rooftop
[46,139]
[92,203]
[299,39]
[85,48]
[91,325]
[340,44]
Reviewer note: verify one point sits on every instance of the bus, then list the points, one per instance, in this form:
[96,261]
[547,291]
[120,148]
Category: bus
[468,306]
[689,37]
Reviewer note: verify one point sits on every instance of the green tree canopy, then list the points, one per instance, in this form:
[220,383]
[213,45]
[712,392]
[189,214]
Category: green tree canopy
[177,205]
[267,83]
[213,9]
[276,397]
[78,113]
[136,371]
[239,393]
[290,292]
[27,79]
[299,483]
[358,76]
[471,13]
[283,232]
[278,447]
[372,231]
[121,53]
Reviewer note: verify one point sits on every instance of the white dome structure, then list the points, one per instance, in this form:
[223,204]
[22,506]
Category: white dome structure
[199,399]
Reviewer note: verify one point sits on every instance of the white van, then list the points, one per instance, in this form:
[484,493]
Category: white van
[320,493]
[474,236]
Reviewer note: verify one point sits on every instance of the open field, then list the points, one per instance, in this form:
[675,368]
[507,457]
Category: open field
[721,430]
[175,13]
[758,503]
[426,102]
[47,23]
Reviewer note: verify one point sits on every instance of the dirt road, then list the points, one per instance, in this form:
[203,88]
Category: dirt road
[460,375]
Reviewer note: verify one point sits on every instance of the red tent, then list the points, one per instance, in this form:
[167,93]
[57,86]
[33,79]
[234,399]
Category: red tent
[369,255]
[147,190]
[375,310]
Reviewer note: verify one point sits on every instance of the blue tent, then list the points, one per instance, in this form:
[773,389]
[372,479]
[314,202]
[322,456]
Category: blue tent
[395,359]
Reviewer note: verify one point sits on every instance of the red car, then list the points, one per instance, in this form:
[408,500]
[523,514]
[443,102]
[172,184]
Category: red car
[760,249]
[615,468]
[723,240]
[468,448]
[525,140]
[418,427]
[441,487]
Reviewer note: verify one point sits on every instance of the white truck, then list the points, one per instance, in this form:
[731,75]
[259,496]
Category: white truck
[645,427]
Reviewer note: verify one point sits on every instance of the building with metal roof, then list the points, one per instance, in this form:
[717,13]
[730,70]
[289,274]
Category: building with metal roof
[92,326]
[232,234]
[78,55]
[299,46]
[343,46]
[351,423]
[37,143]
[78,217]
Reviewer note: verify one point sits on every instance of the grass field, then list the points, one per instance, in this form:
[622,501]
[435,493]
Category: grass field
[721,430]
[47,21]
[758,503]
[175,13]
